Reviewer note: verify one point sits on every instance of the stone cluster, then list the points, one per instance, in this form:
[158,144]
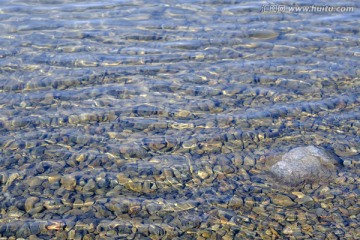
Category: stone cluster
[138,120]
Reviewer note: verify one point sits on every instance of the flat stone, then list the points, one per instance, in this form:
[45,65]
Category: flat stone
[249,161]
[303,164]
[24,231]
[282,200]
[29,203]
[68,182]
[306,200]
[203,174]
[343,150]
[263,34]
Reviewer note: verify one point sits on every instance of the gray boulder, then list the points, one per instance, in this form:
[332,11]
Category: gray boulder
[304,164]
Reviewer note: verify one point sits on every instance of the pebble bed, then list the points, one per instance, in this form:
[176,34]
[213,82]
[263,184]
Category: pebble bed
[167,127]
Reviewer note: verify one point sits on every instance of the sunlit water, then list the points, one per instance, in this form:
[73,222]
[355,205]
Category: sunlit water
[156,119]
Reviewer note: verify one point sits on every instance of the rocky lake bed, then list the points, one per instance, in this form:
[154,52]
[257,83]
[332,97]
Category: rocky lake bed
[138,120]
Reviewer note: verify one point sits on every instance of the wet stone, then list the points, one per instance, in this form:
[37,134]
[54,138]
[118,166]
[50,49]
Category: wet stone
[73,119]
[303,164]
[282,200]
[263,34]
[89,186]
[344,150]
[29,203]
[306,200]
[24,231]
[249,161]
[68,182]
[82,139]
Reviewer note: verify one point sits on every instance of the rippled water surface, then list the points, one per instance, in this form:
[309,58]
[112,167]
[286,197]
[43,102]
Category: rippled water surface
[159,120]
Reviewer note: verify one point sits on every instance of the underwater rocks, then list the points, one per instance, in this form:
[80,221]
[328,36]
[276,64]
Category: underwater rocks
[304,164]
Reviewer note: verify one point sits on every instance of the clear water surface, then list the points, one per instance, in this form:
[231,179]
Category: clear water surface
[158,119]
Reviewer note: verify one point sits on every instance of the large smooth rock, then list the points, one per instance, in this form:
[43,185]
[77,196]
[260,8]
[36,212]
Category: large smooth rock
[304,164]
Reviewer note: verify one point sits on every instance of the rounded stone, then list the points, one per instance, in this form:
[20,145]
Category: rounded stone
[68,182]
[303,164]
[29,203]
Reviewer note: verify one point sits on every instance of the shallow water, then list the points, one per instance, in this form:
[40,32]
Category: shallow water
[157,120]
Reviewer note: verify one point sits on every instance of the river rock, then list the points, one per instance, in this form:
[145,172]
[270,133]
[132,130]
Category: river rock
[304,164]
[281,200]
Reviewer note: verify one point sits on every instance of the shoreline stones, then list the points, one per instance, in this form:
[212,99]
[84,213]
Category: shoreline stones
[304,164]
